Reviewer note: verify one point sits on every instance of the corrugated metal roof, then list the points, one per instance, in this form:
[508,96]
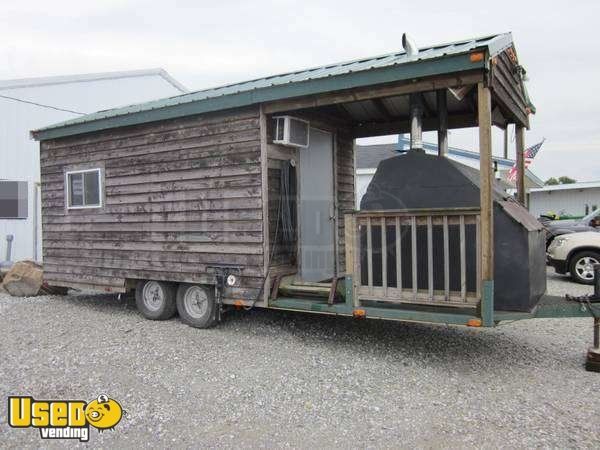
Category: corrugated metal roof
[360,72]
[565,187]
[82,78]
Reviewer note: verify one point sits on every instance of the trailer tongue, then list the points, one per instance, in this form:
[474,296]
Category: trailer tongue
[592,304]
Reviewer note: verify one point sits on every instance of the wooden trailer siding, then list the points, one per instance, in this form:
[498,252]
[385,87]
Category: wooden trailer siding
[178,197]
[345,190]
[507,87]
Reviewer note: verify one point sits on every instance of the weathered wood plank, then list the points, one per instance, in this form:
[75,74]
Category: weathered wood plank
[164,207]
[84,279]
[191,216]
[345,187]
[430,257]
[398,253]
[66,145]
[189,174]
[191,227]
[446,258]
[203,188]
[181,257]
[486,176]
[413,239]
[221,184]
[155,273]
[201,146]
[57,207]
[249,157]
[225,248]
[463,260]
[384,282]
[369,254]
[180,236]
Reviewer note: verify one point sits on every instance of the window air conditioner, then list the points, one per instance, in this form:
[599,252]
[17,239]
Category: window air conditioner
[290,131]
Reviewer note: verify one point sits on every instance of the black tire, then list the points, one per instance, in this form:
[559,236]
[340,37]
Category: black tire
[156,299]
[196,305]
[581,266]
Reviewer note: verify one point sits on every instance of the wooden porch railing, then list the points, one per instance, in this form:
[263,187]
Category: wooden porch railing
[415,256]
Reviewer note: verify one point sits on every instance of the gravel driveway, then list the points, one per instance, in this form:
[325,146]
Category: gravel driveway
[272,379]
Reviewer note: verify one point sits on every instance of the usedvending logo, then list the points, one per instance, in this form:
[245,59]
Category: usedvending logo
[64,419]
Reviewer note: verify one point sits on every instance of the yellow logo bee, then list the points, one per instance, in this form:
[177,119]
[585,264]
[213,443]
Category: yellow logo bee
[103,413]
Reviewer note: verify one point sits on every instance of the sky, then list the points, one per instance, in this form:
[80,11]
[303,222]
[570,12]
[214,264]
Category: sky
[205,44]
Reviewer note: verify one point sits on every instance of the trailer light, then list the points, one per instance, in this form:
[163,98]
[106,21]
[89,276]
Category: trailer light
[476,56]
[359,313]
[474,323]
[239,304]
[231,280]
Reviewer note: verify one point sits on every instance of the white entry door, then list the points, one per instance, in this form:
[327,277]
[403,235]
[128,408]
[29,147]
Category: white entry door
[317,219]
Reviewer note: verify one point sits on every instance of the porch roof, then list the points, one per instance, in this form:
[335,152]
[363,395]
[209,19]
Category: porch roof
[434,60]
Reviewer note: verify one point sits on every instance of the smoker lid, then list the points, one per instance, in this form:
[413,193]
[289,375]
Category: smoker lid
[416,180]
[520,214]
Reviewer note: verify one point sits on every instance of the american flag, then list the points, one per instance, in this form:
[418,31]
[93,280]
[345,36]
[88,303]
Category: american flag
[528,154]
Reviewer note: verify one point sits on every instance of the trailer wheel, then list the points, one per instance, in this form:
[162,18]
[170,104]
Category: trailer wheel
[155,299]
[196,305]
[581,266]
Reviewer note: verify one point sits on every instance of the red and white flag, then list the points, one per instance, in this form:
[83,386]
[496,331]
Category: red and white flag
[528,154]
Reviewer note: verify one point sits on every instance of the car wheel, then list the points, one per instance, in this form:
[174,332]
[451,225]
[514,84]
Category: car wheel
[196,305]
[581,266]
[155,299]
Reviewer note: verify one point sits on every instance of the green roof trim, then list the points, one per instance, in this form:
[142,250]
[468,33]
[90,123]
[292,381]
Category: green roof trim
[430,61]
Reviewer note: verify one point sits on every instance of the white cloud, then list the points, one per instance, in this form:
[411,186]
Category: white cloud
[205,44]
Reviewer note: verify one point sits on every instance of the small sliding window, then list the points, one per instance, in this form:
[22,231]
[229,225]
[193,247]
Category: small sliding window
[84,189]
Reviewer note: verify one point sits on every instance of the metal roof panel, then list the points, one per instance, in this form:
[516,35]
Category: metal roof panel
[283,86]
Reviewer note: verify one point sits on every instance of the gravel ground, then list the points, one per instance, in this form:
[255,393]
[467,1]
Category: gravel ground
[273,379]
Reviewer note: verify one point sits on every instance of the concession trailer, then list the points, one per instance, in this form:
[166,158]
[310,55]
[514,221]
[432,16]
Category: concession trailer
[244,195]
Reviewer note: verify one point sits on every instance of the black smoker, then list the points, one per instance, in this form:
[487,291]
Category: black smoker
[416,180]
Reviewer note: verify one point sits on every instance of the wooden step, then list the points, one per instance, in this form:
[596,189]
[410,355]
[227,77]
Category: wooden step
[304,289]
[311,283]
[293,287]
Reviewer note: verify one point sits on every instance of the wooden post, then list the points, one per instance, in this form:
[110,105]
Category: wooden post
[520,138]
[506,142]
[265,205]
[352,253]
[442,110]
[484,111]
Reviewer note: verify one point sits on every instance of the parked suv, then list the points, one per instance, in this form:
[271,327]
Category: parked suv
[591,222]
[576,253]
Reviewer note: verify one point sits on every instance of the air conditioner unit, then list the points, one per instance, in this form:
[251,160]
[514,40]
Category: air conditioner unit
[290,131]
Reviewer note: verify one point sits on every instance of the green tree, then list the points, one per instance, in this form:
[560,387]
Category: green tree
[560,180]
[566,180]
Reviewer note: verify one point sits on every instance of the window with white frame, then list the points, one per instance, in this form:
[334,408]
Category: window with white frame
[84,188]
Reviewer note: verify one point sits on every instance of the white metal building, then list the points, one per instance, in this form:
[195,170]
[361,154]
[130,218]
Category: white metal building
[576,199]
[28,104]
